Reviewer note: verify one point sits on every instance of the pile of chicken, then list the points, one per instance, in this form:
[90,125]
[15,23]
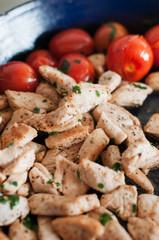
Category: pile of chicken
[52,181]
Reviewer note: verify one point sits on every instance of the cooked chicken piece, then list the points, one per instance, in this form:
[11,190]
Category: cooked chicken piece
[67,138]
[79,227]
[148,206]
[118,115]
[11,208]
[48,91]
[39,150]
[21,164]
[93,145]
[46,230]
[87,120]
[31,101]
[61,81]
[98,62]
[152,126]
[143,228]
[110,79]
[19,135]
[67,176]
[122,200]
[152,80]
[52,205]
[8,155]
[6,115]
[102,179]
[2,177]
[111,129]
[18,231]
[3,102]
[13,183]
[3,236]
[134,134]
[23,190]
[41,180]
[111,156]
[131,94]
[0,118]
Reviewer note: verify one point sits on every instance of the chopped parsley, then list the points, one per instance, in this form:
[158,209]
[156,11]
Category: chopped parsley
[87,82]
[53,133]
[45,100]
[109,78]
[151,143]
[101,185]
[10,144]
[134,207]
[58,184]
[106,141]
[117,212]
[112,33]
[50,180]
[54,84]
[138,86]
[76,89]
[3,200]
[79,120]
[2,186]
[104,218]
[97,93]
[30,223]
[36,110]
[13,200]
[79,173]
[63,91]
[14,183]
[77,61]
[0,114]
[65,66]
[116,167]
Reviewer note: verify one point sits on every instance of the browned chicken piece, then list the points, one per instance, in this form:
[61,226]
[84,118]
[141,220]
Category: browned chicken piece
[46,230]
[111,156]
[41,180]
[153,80]
[122,200]
[52,205]
[148,206]
[93,145]
[3,236]
[98,62]
[67,138]
[152,126]
[18,231]
[3,102]
[131,94]
[102,179]
[67,177]
[87,120]
[134,134]
[79,227]
[39,150]
[9,213]
[61,81]
[2,177]
[143,228]
[23,190]
[48,91]
[111,129]
[6,115]
[110,79]
[31,101]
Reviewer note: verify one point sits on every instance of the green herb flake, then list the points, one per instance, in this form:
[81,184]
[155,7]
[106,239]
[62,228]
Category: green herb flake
[45,100]
[104,218]
[30,223]
[139,86]
[117,212]
[54,84]
[77,61]
[87,82]
[14,183]
[134,207]
[112,141]
[36,110]
[2,186]
[53,133]
[116,167]
[65,66]
[112,33]
[76,89]
[106,141]
[58,184]
[0,114]
[63,91]
[3,200]
[13,200]
[97,93]
[50,180]
[79,120]
[151,143]
[10,144]
[79,173]
[109,78]
[101,185]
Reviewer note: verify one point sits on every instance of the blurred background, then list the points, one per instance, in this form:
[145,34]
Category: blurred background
[6,5]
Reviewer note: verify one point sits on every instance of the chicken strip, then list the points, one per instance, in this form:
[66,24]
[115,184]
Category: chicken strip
[79,227]
[3,102]
[98,62]
[46,230]
[152,80]
[52,205]
[6,115]
[23,190]
[152,126]
[110,79]
[87,120]
[111,156]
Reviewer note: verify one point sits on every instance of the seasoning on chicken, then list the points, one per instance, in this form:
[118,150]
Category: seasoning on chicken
[3,102]
[98,62]
[152,126]
[110,79]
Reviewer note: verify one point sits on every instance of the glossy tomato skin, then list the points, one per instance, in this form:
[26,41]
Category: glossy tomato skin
[152,36]
[131,57]
[40,57]
[78,67]
[71,41]
[108,33]
[18,76]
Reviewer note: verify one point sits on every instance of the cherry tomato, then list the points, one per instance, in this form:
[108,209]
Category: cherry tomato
[71,41]
[107,33]
[130,56]
[77,66]
[152,36]
[18,76]
[40,57]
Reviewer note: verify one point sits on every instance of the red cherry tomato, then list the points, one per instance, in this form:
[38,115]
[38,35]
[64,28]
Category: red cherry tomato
[152,36]
[130,56]
[40,57]
[71,41]
[18,76]
[77,66]
[107,33]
